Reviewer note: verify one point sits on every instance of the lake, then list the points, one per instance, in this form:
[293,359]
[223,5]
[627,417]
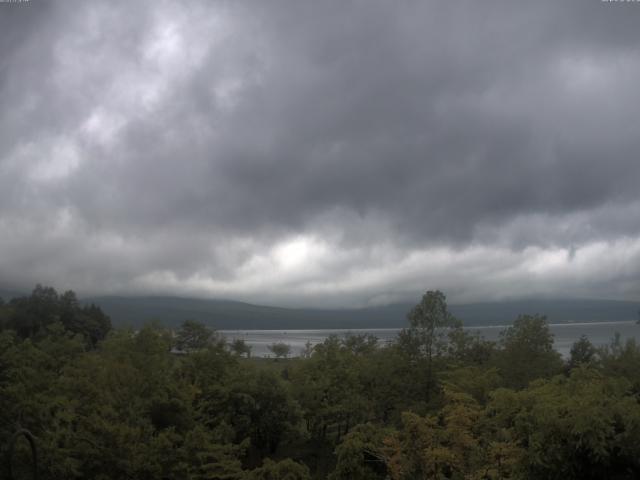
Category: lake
[565,334]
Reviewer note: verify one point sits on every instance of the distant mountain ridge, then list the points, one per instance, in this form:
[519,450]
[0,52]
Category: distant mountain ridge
[233,315]
[7,294]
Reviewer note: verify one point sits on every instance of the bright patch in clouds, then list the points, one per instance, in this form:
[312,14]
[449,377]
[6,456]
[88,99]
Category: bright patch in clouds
[282,275]
[296,253]
[283,154]
[57,162]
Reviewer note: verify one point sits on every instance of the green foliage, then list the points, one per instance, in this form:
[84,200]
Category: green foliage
[328,388]
[240,347]
[581,427]
[364,344]
[477,381]
[280,350]
[428,321]
[583,352]
[193,335]
[449,445]
[31,316]
[128,405]
[272,414]
[527,351]
[622,361]
[429,325]
[469,349]
[283,470]
[360,455]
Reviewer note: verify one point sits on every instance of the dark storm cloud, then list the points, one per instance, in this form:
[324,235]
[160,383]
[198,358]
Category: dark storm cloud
[304,149]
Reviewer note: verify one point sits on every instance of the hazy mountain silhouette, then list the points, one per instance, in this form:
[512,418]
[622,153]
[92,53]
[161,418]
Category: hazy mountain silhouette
[226,314]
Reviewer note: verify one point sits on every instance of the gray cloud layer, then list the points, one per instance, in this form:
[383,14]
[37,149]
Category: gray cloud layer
[323,153]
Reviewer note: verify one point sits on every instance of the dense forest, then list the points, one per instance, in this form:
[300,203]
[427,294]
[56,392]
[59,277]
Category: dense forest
[438,403]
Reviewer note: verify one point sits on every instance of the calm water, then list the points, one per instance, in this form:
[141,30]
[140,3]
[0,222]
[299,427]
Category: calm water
[564,335]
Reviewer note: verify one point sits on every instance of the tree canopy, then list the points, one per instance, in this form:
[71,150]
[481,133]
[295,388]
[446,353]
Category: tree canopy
[111,404]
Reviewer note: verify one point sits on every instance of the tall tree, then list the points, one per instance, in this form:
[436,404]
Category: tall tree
[193,335]
[280,349]
[583,352]
[429,325]
[528,351]
[240,347]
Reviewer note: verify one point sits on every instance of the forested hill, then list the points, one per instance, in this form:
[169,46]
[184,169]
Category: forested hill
[222,314]
[226,314]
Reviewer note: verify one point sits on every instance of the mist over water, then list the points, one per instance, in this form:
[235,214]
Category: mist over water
[565,335]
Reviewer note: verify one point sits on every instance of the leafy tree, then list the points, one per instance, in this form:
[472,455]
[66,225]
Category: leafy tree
[427,321]
[273,412]
[240,347]
[583,352]
[31,314]
[387,384]
[446,445]
[527,351]
[280,349]
[426,336]
[573,428]
[283,470]
[476,381]
[329,389]
[363,344]
[98,325]
[170,413]
[469,349]
[130,408]
[207,458]
[360,455]
[622,360]
[193,335]
[89,321]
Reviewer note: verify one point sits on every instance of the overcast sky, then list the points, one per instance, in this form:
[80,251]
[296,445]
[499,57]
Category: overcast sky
[321,153]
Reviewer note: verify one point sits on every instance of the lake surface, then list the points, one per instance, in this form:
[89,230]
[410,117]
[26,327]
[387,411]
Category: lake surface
[564,335]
